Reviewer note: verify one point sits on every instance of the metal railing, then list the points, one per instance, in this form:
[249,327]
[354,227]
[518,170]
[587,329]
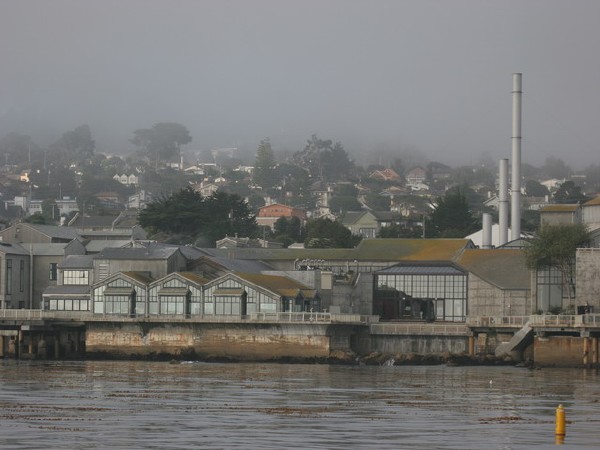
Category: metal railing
[536,320]
[420,329]
[496,321]
[87,316]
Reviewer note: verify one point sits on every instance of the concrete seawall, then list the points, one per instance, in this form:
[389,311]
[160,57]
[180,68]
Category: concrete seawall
[239,341]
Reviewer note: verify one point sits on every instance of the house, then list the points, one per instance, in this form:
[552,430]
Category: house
[66,206]
[155,261]
[15,276]
[242,294]
[179,293]
[591,213]
[560,214]
[33,233]
[269,214]
[72,291]
[44,265]
[139,200]
[122,293]
[128,180]
[237,242]
[385,175]
[368,223]
[416,176]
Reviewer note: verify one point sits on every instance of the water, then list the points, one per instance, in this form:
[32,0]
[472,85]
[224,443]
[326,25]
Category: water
[157,405]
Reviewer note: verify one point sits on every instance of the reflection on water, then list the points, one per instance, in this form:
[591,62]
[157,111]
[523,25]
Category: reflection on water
[155,405]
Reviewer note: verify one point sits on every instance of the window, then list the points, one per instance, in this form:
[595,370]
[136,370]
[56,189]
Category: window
[22,275]
[75,277]
[53,272]
[9,276]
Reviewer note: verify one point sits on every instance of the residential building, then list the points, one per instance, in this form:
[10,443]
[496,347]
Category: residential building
[269,214]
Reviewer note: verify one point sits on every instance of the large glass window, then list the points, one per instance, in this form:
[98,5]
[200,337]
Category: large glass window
[9,276]
[52,275]
[116,304]
[75,277]
[172,304]
[400,294]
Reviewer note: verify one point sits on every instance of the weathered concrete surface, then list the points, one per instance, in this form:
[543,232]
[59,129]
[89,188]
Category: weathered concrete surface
[558,351]
[232,341]
[365,343]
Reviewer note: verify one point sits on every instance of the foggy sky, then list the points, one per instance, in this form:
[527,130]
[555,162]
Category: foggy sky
[428,76]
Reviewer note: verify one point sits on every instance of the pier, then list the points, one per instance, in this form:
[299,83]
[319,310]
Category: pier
[549,340]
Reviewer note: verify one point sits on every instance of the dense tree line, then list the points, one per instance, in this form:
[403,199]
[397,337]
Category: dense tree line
[188,217]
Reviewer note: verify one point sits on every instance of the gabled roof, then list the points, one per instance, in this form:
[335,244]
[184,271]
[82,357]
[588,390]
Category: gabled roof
[503,268]
[77,262]
[47,249]
[188,276]
[13,249]
[351,217]
[593,202]
[53,231]
[275,283]
[150,252]
[560,208]
[367,250]
[233,264]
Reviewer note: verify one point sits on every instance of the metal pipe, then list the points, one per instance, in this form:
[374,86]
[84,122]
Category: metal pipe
[486,241]
[503,203]
[515,198]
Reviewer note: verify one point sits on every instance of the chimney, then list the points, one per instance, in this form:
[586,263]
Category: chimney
[487,231]
[515,198]
[503,203]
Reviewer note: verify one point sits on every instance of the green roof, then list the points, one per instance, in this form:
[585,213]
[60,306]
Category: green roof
[504,268]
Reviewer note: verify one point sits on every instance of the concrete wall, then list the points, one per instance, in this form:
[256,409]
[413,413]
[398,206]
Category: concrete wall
[558,351]
[235,341]
[485,299]
[587,264]
[404,344]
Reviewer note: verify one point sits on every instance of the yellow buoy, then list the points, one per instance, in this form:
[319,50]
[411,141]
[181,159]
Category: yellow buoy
[561,428]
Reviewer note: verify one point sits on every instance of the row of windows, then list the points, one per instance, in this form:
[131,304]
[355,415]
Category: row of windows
[67,305]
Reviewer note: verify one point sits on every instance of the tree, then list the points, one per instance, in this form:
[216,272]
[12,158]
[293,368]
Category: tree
[187,217]
[162,142]
[534,188]
[556,168]
[75,146]
[264,165]
[17,148]
[555,246]
[287,230]
[324,160]
[326,233]
[569,192]
[451,217]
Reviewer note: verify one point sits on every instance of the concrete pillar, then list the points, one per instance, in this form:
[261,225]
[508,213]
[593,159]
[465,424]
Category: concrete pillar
[19,346]
[42,350]
[1,346]
[586,351]
[471,345]
[57,347]
[30,347]
[594,351]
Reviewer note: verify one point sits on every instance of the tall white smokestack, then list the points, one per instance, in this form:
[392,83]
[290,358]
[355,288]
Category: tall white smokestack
[515,192]
[486,241]
[503,203]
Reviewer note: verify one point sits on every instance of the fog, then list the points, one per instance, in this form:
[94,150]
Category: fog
[382,77]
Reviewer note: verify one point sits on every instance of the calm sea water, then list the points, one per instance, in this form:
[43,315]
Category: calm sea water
[157,405]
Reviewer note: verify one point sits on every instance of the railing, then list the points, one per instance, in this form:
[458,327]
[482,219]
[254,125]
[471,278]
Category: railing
[21,314]
[536,320]
[86,316]
[420,329]
[495,321]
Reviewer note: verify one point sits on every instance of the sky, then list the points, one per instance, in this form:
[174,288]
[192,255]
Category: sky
[383,77]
